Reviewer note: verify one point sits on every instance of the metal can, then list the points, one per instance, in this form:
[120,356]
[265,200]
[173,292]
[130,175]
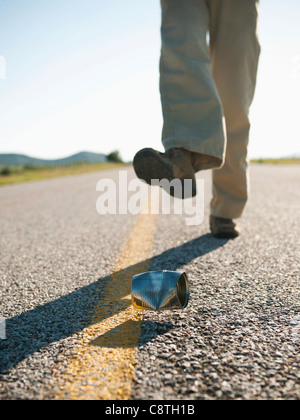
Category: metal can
[160,290]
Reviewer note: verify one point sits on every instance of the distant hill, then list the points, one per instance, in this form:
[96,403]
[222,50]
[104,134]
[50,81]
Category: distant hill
[23,160]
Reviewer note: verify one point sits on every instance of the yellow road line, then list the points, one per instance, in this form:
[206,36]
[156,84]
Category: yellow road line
[104,362]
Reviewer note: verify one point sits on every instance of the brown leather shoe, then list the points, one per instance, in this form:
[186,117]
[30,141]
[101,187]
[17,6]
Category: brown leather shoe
[175,163]
[223,228]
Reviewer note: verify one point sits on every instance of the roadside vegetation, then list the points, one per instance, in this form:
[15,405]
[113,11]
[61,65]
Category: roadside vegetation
[281,161]
[16,174]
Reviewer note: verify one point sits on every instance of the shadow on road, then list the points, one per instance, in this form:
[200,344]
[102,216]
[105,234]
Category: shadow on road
[48,324]
[127,331]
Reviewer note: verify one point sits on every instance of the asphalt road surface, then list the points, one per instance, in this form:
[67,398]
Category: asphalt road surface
[67,326]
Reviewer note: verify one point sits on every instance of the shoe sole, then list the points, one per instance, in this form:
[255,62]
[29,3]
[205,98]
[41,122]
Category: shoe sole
[225,235]
[149,165]
[148,162]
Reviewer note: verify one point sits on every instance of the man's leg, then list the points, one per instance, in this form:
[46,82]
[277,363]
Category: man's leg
[234,53]
[194,126]
[192,111]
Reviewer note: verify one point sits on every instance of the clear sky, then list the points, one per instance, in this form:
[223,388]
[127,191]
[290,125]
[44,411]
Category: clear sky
[83,75]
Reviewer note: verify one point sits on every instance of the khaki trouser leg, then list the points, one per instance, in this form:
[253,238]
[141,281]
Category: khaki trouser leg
[234,54]
[192,111]
[195,82]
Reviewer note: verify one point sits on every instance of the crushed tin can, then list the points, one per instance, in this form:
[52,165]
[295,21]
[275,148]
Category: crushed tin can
[160,290]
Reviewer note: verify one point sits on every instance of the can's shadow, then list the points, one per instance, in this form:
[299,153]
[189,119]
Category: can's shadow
[44,325]
[127,335]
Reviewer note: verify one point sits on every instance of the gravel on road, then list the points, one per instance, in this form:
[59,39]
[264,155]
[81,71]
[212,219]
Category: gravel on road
[239,338]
